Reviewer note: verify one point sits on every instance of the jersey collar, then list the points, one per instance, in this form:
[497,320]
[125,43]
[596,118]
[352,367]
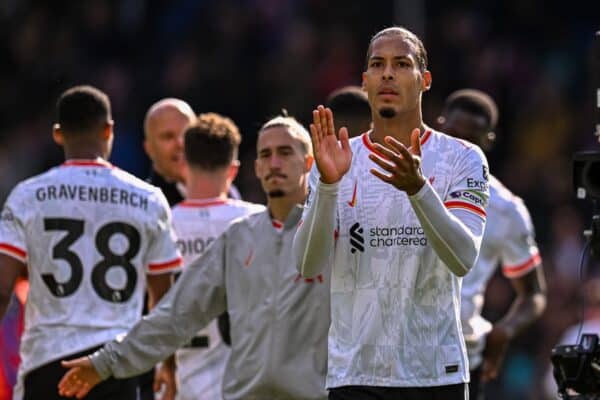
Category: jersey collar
[214,201]
[369,144]
[82,162]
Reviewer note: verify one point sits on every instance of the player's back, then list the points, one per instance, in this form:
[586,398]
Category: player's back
[89,233]
[200,366]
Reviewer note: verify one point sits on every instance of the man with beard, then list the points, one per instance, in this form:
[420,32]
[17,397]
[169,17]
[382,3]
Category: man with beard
[381,213]
[279,320]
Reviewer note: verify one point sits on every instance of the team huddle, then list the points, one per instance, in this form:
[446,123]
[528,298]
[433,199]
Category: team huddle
[363,277]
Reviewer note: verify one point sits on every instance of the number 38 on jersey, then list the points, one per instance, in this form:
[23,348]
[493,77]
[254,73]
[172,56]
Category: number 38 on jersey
[72,231]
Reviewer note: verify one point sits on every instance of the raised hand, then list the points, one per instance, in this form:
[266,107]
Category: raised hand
[403,165]
[333,157]
[79,379]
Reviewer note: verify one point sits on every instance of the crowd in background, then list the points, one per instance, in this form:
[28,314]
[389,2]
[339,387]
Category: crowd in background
[249,59]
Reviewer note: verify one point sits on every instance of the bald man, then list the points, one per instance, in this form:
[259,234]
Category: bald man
[164,125]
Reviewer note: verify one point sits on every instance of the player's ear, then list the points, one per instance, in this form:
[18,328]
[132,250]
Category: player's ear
[426,81]
[308,162]
[57,134]
[233,170]
[363,84]
[107,132]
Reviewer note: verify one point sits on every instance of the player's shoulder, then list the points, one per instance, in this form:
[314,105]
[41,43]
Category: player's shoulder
[245,206]
[249,222]
[29,185]
[506,203]
[132,182]
[442,141]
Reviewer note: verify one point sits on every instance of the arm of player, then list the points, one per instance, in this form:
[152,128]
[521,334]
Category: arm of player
[314,240]
[313,243]
[197,298]
[528,305]
[455,236]
[158,286]
[11,269]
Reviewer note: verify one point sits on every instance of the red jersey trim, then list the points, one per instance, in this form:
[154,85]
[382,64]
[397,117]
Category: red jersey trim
[465,206]
[369,145]
[159,267]
[513,271]
[87,163]
[13,251]
[277,224]
[202,203]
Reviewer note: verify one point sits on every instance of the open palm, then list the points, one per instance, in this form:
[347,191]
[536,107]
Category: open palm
[333,156]
[79,379]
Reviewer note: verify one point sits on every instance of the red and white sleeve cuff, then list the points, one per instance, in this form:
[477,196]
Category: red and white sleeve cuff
[14,252]
[466,206]
[515,271]
[164,267]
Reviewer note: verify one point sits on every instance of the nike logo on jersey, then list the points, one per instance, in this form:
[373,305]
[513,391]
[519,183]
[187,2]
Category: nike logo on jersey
[248,259]
[352,203]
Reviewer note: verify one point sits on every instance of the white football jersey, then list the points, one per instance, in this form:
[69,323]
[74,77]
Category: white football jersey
[395,306]
[197,223]
[89,233]
[509,241]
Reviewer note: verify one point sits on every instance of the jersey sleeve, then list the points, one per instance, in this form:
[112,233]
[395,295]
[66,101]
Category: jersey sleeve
[12,228]
[163,255]
[314,239]
[469,188]
[519,251]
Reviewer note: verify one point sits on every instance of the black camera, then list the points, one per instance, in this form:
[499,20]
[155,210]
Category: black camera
[577,368]
[586,180]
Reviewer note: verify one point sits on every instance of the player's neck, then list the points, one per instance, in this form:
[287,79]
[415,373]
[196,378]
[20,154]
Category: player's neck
[399,127]
[83,153]
[280,207]
[201,185]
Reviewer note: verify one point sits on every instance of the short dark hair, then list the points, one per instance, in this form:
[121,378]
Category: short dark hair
[349,100]
[475,102]
[405,34]
[211,142]
[83,109]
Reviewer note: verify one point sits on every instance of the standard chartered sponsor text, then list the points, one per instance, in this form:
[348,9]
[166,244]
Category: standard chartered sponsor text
[397,236]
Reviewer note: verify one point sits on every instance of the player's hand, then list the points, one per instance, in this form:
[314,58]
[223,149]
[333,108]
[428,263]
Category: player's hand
[493,354]
[402,164]
[333,157]
[164,380]
[79,379]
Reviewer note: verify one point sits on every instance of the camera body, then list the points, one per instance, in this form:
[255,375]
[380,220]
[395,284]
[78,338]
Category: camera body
[577,368]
